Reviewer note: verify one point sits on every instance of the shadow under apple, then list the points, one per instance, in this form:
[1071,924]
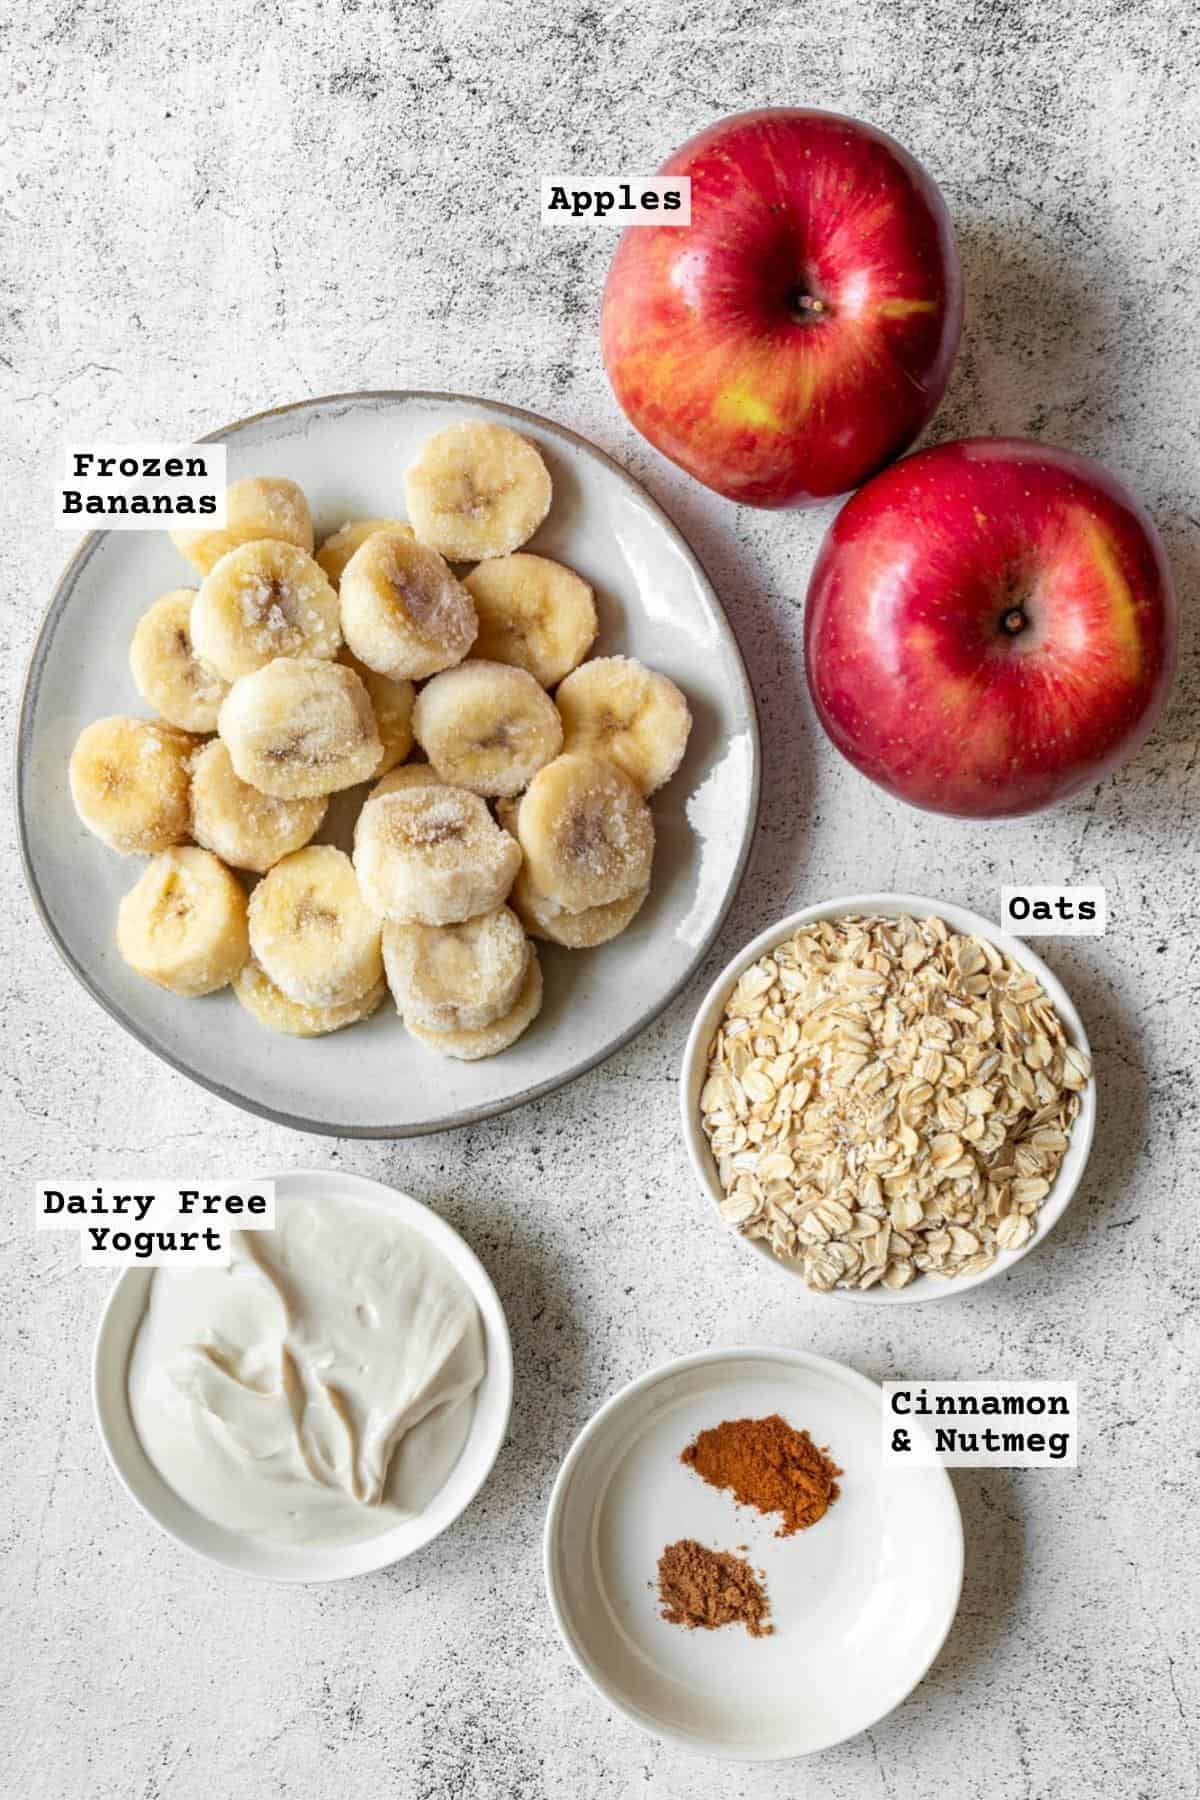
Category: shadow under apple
[1040,353]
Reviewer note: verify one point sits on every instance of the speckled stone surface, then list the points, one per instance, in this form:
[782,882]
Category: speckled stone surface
[212,210]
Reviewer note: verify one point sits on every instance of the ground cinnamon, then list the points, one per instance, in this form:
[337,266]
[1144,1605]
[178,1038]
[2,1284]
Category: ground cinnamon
[709,1588]
[767,1464]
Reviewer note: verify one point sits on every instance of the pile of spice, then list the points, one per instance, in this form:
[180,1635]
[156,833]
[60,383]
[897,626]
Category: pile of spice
[763,1463]
[708,1588]
[767,1464]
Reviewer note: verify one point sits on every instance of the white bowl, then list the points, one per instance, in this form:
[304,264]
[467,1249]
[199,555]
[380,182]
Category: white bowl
[861,1602]
[285,1562]
[349,453]
[695,1064]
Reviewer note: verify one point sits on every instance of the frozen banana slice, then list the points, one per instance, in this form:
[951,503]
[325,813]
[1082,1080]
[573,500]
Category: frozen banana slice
[574,931]
[129,780]
[262,506]
[261,601]
[337,550]
[533,613]
[456,977]
[183,923]
[618,708]
[246,828]
[312,933]
[392,704]
[301,728]
[167,670]
[586,832]
[403,612]
[410,776]
[487,727]
[477,490]
[544,918]
[432,854]
[471,1046]
[272,1008]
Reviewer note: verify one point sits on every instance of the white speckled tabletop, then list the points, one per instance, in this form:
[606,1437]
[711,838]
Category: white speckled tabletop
[210,211]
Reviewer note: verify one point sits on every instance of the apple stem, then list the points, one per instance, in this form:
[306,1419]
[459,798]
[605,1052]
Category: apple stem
[1014,622]
[805,307]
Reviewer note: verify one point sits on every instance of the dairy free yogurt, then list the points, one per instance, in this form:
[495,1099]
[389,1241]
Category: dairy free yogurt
[319,1390]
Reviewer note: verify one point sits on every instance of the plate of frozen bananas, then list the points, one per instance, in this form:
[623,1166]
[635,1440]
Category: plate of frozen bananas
[409,794]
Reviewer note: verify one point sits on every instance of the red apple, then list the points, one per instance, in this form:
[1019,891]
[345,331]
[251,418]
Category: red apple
[799,333]
[990,627]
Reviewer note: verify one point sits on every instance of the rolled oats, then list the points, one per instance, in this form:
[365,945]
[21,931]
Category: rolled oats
[887,1098]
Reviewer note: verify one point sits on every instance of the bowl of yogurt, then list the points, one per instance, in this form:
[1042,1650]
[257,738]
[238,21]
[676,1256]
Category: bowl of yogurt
[323,1406]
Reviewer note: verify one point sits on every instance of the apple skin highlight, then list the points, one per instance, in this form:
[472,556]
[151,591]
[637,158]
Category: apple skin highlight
[799,334]
[990,627]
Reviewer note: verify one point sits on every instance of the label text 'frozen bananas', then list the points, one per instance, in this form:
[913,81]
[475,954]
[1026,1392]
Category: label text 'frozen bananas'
[157,1222]
[141,487]
[627,199]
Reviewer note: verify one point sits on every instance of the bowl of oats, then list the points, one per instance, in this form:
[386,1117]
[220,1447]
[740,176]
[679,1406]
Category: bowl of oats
[889,1098]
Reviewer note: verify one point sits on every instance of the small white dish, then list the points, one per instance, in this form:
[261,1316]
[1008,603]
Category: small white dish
[279,1562]
[695,1065]
[861,1602]
[349,453]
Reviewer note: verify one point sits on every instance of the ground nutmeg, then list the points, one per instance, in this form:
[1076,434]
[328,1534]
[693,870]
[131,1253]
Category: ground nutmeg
[767,1464]
[706,1588]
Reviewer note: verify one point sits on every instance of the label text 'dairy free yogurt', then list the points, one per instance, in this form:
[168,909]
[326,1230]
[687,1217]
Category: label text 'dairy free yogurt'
[156,1222]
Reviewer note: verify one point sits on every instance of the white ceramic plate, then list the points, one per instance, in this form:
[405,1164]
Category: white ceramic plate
[695,1063]
[349,453]
[861,1602]
[278,1562]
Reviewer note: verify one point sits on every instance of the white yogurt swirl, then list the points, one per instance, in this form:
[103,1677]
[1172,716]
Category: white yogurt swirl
[320,1389]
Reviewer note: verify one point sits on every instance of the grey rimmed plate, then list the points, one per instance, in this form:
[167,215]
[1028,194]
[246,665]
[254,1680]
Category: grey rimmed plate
[349,452]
